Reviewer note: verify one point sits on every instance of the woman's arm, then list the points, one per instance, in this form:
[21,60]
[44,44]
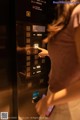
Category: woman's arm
[72,91]
[21,49]
[24,49]
[43,52]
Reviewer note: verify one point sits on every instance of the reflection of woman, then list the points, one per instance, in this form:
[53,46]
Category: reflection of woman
[65,68]
[20,60]
[22,49]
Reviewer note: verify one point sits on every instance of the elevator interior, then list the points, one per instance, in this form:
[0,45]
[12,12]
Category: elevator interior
[33,71]
[23,77]
[31,26]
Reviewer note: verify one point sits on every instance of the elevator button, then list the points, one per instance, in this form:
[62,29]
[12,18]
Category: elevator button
[36,57]
[28,46]
[28,58]
[41,81]
[34,34]
[28,28]
[38,71]
[43,60]
[35,51]
[34,73]
[28,13]
[27,34]
[28,74]
[28,69]
[36,45]
[36,62]
[28,52]
[34,68]
[27,63]
[39,34]
[27,40]
[38,66]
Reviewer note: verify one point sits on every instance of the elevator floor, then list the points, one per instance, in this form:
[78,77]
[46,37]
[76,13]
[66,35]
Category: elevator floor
[26,109]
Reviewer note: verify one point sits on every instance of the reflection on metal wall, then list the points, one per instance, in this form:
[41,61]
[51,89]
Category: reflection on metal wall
[32,71]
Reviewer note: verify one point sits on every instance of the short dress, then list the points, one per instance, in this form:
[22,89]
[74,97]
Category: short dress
[64,67]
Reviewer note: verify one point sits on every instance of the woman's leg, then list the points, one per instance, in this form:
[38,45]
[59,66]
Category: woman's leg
[74,107]
[60,112]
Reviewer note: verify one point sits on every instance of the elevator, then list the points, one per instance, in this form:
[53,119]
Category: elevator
[31,29]
[23,76]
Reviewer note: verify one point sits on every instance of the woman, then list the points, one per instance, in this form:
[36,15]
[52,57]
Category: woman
[65,67]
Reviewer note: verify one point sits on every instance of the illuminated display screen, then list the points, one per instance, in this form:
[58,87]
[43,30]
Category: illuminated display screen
[37,28]
[37,4]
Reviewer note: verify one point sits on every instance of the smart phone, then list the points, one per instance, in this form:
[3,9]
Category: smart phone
[35,96]
[50,109]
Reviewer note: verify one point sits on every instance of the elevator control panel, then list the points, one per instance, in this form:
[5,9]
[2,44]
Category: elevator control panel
[34,37]
[31,37]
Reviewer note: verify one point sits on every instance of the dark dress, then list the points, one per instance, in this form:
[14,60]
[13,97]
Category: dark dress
[65,68]
[63,55]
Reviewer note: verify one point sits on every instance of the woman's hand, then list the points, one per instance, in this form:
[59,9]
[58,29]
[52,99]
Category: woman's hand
[43,52]
[41,106]
[44,103]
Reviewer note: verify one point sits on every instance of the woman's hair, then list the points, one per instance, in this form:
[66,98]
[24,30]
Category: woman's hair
[63,17]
